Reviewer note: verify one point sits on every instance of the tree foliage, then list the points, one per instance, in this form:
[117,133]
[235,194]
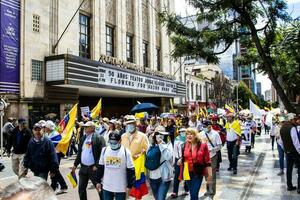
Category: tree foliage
[229,20]
[244,94]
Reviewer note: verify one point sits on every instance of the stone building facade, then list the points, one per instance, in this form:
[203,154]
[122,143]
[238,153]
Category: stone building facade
[65,46]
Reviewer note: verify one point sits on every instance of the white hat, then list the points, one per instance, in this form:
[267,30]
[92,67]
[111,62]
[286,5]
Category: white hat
[182,130]
[42,123]
[49,124]
[89,124]
[282,119]
[112,121]
[130,119]
[290,116]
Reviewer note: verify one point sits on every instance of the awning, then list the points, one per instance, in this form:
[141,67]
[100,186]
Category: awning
[102,79]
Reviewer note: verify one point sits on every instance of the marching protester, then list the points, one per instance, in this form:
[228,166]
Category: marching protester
[248,130]
[196,155]
[171,129]
[222,132]
[292,156]
[137,143]
[115,160]
[18,141]
[7,129]
[159,159]
[40,157]
[233,142]
[111,128]
[194,123]
[275,127]
[89,151]
[214,143]
[151,127]
[295,135]
[57,179]
[177,154]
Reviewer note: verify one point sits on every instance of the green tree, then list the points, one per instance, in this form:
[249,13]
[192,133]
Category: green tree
[244,94]
[232,19]
[285,53]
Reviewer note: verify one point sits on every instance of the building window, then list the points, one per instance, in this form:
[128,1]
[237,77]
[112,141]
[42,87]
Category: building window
[36,23]
[109,41]
[129,48]
[84,36]
[158,59]
[192,91]
[36,70]
[145,54]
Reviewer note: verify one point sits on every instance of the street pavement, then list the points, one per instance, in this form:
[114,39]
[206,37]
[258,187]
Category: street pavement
[256,179]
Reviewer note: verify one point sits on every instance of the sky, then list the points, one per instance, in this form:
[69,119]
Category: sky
[183,9]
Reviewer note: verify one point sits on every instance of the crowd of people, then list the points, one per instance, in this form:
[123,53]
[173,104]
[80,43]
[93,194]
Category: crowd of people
[174,148]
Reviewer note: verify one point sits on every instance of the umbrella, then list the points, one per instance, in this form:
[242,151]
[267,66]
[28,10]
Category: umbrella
[167,115]
[144,107]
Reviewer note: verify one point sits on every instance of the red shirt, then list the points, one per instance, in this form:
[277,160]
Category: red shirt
[218,128]
[197,155]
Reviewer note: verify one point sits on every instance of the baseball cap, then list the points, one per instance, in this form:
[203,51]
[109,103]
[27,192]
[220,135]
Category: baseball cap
[291,116]
[37,125]
[182,130]
[207,123]
[112,121]
[114,137]
[21,121]
[130,119]
[89,124]
[105,119]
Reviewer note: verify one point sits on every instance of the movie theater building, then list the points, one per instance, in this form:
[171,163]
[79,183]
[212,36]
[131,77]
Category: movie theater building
[64,53]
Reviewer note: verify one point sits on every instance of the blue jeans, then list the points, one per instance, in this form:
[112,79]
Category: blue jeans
[107,195]
[281,156]
[194,186]
[159,188]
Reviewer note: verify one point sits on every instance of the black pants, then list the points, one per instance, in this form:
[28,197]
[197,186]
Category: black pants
[272,141]
[252,139]
[233,153]
[58,179]
[291,160]
[72,148]
[86,173]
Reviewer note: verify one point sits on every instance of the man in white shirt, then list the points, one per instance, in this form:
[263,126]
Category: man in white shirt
[115,160]
[233,144]
[194,123]
[89,151]
[214,143]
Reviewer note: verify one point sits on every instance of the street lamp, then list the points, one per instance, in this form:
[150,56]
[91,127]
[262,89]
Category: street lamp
[3,105]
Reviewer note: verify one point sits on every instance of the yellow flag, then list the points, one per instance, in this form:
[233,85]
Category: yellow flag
[140,115]
[171,104]
[139,166]
[96,110]
[68,122]
[186,174]
[235,125]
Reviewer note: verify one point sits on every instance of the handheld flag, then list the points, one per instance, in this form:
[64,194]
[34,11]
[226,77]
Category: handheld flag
[229,109]
[72,178]
[139,188]
[235,125]
[96,110]
[66,127]
[186,174]
[171,104]
[254,109]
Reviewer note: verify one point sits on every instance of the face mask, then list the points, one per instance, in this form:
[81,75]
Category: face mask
[205,130]
[130,128]
[159,137]
[182,134]
[114,146]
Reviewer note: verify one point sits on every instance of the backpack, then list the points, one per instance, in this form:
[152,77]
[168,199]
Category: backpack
[153,158]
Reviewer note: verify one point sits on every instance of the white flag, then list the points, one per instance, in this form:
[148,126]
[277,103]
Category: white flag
[254,109]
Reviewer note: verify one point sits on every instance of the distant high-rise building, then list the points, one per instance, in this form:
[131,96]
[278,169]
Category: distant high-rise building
[258,89]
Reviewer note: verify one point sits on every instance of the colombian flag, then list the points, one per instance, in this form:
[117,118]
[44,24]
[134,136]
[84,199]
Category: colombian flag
[96,110]
[139,188]
[72,178]
[65,129]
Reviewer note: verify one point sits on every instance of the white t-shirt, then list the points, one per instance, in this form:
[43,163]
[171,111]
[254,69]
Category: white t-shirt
[115,164]
[231,135]
[87,157]
[215,139]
